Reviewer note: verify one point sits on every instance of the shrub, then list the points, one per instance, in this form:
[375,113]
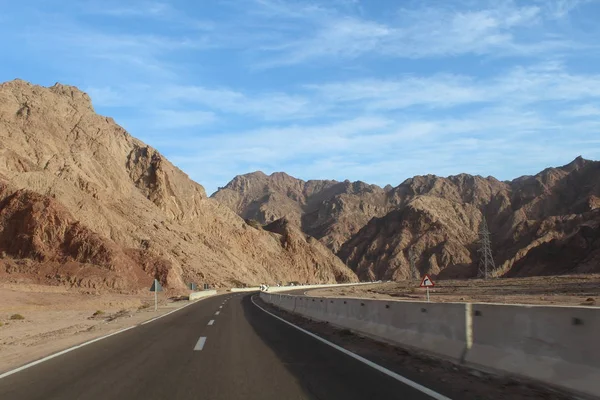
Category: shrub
[16,317]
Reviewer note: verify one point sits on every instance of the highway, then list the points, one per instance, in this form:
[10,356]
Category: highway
[223,347]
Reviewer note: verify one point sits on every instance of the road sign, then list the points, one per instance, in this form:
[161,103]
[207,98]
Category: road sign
[192,286]
[427,282]
[156,286]
[206,286]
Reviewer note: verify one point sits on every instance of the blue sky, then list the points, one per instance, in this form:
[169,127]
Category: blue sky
[371,90]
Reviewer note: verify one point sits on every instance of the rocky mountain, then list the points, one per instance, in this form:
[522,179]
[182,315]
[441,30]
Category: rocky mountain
[84,203]
[542,224]
[330,211]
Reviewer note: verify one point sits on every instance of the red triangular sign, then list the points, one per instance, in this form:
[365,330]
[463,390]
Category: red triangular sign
[427,282]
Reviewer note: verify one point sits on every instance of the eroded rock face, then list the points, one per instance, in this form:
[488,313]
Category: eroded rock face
[373,229]
[330,211]
[141,210]
[548,213]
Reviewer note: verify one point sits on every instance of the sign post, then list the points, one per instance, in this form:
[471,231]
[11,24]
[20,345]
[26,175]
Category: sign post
[426,282]
[156,288]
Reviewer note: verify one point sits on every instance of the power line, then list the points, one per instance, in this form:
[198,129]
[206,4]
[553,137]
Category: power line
[486,262]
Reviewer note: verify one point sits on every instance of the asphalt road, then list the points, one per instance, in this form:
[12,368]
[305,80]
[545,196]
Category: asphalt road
[245,354]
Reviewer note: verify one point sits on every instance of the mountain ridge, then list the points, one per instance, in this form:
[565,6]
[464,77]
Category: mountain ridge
[439,217]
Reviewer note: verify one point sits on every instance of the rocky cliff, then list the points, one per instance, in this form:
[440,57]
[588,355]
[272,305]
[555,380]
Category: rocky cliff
[70,170]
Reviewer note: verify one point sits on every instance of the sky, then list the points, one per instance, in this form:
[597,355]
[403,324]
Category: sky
[371,90]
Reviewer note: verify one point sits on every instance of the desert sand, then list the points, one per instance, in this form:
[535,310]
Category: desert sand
[570,290]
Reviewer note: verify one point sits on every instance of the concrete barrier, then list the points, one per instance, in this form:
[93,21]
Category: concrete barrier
[432,327]
[250,289]
[556,345]
[559,346]
[204,293]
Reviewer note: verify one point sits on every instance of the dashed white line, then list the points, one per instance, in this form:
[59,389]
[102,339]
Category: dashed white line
[200,345]
[220,306]
[218,312]
[41,360]
[175,310]
[212,321]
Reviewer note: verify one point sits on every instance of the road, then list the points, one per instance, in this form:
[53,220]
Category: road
[223,347]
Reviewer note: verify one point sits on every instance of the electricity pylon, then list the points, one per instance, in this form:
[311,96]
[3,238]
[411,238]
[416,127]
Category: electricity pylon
[486,262]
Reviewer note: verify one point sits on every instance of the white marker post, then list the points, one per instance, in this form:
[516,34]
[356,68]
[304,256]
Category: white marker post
[155,288]
[427,283]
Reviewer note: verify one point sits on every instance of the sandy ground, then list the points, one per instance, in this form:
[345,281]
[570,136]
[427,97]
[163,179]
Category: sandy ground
[56,318]
[572,290]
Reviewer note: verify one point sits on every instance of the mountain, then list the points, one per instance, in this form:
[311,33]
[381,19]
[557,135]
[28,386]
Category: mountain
[330,211]
[540,225]
[84,203]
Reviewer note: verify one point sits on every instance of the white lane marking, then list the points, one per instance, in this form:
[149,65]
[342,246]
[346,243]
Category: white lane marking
[218,312]
[220,306]
[41,360]
[177,309]
[60,353]
[212,321]
[200,345]
[371,364]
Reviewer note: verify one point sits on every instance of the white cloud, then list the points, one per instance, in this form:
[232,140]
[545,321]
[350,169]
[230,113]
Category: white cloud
[584,110]
[174,119]
[268,106]
[562,8]
[491,28]
[523,85]
[384,151]
[151,9]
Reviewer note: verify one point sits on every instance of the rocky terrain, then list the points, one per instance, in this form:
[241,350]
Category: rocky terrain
[545,224]
[82,203]
[328,210]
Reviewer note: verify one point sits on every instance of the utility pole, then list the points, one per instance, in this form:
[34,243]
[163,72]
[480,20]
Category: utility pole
[486,262]
[412,257]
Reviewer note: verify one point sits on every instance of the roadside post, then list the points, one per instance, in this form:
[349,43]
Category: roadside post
[156,288]
[426,282]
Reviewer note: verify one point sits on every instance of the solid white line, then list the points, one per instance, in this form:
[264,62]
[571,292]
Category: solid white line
[60,353]
[200,345]
[371,364]
[218,312]
[212,321]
